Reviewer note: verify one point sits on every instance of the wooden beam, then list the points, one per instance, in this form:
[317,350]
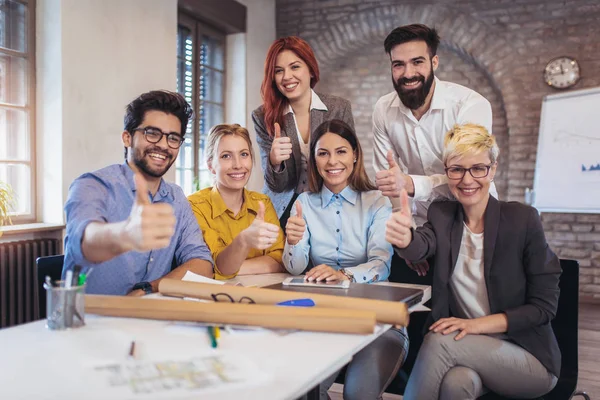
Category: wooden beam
[226,15]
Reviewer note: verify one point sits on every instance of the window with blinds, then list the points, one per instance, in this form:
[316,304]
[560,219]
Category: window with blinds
[16,105]
[201,80]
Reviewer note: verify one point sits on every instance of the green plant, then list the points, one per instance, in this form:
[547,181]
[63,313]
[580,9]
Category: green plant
[7,198]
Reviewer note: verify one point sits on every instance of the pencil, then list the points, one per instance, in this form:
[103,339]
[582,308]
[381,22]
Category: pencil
[132,349]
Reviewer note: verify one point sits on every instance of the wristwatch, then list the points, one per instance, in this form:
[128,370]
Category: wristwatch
[348,274]
[145,286]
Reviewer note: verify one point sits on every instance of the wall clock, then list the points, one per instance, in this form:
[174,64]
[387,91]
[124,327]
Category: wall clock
[562,72]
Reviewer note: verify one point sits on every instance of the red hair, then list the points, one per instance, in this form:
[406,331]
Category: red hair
[274,102]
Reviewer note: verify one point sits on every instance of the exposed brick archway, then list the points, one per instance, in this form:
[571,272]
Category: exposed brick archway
[461,35]
[510,42]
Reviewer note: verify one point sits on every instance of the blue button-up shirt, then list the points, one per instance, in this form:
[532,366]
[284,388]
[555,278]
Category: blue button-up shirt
[345,230]
[107,195]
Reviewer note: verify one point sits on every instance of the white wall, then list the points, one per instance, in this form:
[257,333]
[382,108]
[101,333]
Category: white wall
[93,58]
[49,121]
[235,79]
[260,33]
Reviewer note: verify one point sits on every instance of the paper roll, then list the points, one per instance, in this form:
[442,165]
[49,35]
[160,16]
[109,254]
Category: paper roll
[269,316]
[389,312]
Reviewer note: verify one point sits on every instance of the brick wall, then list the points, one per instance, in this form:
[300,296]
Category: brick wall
[497,47]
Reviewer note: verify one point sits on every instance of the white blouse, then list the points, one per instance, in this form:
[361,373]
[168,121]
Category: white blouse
[468,280]
[315,104]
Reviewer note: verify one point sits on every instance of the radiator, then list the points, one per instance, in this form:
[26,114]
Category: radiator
[18,279]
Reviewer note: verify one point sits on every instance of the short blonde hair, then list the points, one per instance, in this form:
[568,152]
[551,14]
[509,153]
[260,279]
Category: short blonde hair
[218,131]
[469,139]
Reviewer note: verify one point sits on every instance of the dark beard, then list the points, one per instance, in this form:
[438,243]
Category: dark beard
[142,164]
[414,98]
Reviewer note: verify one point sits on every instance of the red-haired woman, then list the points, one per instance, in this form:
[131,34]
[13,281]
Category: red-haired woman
[290,112]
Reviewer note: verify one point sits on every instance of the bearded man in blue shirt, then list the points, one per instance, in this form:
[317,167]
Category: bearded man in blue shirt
[125,220]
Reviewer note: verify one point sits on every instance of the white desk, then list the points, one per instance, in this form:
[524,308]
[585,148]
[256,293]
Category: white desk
[36,363]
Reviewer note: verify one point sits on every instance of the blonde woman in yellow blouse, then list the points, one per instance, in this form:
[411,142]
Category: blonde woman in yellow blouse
[240,227]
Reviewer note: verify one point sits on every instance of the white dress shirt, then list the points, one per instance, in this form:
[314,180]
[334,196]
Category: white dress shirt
[418,145]
[315,103]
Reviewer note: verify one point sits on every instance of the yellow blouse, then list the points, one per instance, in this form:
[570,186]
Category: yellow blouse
[219,225]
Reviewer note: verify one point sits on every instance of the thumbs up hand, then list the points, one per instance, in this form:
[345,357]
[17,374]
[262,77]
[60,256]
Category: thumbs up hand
[281,148]
[260,234]
[398,227]
[295,226]
[150,226]
[392,180]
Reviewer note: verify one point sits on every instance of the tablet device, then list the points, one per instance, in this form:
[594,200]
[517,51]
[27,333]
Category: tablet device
[299,281]
[375,291]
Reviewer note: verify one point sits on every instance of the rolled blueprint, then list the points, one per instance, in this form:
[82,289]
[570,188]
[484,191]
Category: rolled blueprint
[389,312]
[269,316]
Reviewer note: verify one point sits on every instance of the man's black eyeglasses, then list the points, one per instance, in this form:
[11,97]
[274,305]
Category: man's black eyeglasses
[227,297]
[476,171]
[155,135]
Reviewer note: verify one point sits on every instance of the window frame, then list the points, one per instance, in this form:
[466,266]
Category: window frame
[197,29]
[28,107]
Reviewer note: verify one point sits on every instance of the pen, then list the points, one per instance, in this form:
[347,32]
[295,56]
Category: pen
[68,279]
[75,277]
[211,335]
[49,282]
[298,303]
[132,350]
[217,332]
[68,299]
[83,276]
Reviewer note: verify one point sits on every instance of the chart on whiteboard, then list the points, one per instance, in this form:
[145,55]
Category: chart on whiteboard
[581,144]
[567,176]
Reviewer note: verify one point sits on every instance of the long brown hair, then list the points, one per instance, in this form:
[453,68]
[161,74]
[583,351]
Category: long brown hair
[358,179]
[274,102]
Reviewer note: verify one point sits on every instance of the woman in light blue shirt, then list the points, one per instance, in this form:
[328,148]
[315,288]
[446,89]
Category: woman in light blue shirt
[336,232]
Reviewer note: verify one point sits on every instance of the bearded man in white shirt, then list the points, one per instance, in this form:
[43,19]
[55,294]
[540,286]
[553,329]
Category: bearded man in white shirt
[409,124]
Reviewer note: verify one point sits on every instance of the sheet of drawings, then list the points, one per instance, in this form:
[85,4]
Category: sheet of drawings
[179,377]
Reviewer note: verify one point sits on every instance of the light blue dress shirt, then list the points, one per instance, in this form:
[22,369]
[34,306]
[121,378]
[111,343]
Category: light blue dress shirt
[107,195]
[345,230]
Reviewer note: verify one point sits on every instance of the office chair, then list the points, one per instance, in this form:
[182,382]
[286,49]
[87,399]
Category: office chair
[565,327]
[46,266]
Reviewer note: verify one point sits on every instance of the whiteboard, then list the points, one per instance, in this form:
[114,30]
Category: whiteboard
[567,172]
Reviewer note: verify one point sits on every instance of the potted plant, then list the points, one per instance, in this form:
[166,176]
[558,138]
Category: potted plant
[7,198]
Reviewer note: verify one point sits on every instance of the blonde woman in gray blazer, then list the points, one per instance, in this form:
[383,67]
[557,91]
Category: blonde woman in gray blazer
[291,110]
[495,284]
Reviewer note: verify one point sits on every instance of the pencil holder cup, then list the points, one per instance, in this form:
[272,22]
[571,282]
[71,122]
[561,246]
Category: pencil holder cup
[65,307]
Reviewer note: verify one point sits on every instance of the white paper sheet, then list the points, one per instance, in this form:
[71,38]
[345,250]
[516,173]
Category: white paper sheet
[192,277]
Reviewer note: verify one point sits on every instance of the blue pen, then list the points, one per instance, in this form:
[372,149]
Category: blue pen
[298,303]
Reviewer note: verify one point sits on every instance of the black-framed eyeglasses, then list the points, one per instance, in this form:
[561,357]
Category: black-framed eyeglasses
[155,135]
[227,297]
[476,171]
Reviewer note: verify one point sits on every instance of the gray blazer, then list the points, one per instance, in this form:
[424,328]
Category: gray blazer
[521,272]
[279,186]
